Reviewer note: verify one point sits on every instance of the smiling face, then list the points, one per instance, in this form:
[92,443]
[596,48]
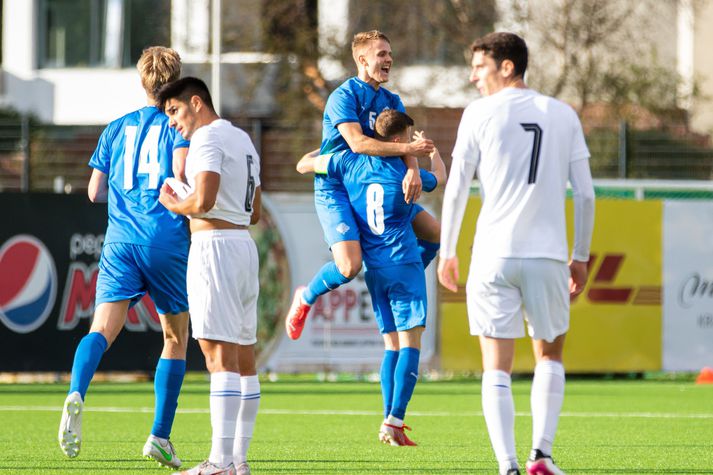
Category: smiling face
[182,116]
[375,62]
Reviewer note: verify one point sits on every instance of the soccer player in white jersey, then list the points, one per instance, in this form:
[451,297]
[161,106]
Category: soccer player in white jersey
[223,171]
[525,147]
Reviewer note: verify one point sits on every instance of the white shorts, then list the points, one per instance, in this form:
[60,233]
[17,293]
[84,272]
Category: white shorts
[499,289]
[223,286]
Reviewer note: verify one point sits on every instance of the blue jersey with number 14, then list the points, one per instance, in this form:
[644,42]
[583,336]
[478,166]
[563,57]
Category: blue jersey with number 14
[136,153]
[382,215]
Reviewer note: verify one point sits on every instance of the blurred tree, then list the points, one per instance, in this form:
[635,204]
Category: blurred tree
[425,31]
[611,51]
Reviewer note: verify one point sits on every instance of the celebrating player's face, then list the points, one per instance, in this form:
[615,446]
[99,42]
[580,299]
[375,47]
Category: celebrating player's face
[181,117]
[378,61]
[485,74]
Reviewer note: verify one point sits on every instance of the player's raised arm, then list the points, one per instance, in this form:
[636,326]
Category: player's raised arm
[438,168]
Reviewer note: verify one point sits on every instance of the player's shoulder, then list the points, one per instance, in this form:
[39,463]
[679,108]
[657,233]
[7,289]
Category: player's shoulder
[554,104]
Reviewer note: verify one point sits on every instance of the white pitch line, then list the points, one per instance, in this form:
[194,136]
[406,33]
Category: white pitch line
[328,412]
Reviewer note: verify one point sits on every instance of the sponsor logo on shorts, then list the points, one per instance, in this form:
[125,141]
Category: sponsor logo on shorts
[342,228]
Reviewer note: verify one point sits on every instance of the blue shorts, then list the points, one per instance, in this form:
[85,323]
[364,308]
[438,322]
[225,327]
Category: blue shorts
[415,209]
[398,296]
[336,216]
[128,271]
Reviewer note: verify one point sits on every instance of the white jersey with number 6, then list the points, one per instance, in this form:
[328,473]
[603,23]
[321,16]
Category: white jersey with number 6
[227,150]
[521,143]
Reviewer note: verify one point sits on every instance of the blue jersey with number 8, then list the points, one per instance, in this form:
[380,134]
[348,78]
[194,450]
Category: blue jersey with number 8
[136,153]
[383,217]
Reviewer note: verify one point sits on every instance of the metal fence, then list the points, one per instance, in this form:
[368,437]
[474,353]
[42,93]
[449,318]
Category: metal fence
[36,157]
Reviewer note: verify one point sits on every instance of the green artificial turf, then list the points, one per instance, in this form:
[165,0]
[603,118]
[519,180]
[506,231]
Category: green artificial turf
[305,427]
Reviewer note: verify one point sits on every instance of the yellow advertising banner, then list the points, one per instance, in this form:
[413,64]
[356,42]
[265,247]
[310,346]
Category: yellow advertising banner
[615,323]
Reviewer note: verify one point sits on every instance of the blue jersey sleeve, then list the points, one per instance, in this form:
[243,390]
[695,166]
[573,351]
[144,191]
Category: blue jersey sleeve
[179,141]
[428,180]
[101,158]
[341,107]
[398,105]
[334,166]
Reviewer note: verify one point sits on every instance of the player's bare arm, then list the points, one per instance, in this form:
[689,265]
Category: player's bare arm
[360,143]
[179,163]
[438,168]
[306,163]
[448,273]
[98,188]
[200,201]
[578,277]
[257,206]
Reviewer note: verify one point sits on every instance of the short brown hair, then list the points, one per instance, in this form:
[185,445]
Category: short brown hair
[391,123]
[364,39]
[157,66]
[501,46]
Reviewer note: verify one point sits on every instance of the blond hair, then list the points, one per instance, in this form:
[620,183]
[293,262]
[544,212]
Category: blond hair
[362,41]
[157,66]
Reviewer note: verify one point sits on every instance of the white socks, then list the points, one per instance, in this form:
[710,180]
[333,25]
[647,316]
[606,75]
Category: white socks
[225,394]
[250,389]
[499,412]
[546,403]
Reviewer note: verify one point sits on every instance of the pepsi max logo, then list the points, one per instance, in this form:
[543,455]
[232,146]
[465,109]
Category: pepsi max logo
[28,283]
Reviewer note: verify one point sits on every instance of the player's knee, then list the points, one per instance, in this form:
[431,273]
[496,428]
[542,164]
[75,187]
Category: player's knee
[349,268]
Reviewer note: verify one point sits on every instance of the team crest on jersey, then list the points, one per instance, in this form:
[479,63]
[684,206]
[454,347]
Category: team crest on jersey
[342,228]
[28,283]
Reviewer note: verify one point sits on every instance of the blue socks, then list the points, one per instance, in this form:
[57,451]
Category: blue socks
[405,378]
[87,356]
[388,367]
[326,279]
[167,386]
[428,251]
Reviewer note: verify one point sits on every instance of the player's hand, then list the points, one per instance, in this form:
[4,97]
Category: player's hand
[168,197]
[578,277]
[421,146]
[412,185]
[448,273]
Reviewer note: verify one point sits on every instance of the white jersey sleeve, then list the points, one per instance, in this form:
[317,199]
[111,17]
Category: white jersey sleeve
[466,155]
[583,197]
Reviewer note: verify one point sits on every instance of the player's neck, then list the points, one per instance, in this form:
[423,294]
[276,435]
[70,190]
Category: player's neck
[364,77]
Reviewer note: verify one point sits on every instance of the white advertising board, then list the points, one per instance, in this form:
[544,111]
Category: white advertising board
[341,333]
[688,285]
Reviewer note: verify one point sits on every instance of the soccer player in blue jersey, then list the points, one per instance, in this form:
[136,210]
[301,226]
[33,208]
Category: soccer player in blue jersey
[348,123]
[145,250]
[394,268]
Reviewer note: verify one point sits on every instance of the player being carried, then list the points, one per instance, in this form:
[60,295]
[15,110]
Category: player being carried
[348,124]
[394,268]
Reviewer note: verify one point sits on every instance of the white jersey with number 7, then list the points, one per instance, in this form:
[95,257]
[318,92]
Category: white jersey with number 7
[521,143]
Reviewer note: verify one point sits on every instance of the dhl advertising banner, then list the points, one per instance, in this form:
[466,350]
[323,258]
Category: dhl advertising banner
[49,249]
[688,285]
[615,323]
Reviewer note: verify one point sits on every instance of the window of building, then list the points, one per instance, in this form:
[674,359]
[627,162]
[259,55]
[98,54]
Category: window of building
[100,33]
